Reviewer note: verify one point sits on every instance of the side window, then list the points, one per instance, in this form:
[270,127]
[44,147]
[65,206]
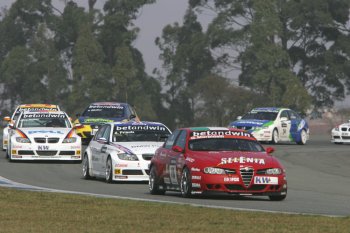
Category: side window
[294,115]
[181,140]
[128,112]
[171,139]
[100,132]
[284,114]
[106,133]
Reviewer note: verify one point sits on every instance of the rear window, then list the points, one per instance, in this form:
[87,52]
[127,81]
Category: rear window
[109,111]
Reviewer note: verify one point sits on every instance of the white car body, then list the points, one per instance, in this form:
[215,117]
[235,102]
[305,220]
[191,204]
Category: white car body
[341,133]
[117,160]
[31,141]
[16,113]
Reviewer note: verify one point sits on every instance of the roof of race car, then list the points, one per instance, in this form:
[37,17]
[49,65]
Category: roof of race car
[267,109]
[107,103]
[38,106]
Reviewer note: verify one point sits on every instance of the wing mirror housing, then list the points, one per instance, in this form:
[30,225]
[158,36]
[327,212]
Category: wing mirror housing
[11,125]
[239,117]
[177,149]
[7,118]
[270,150]
[284,119]
[102,140]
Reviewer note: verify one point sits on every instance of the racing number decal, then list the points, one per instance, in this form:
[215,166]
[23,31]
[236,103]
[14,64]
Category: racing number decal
[172,173]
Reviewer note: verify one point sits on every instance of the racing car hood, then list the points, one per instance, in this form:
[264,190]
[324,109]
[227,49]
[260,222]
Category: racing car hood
[46,132]
[138,147]
[98,120]
[250,123]
[232,159]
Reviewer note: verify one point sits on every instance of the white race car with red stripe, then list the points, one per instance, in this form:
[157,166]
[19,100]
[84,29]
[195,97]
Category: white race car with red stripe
[43,135]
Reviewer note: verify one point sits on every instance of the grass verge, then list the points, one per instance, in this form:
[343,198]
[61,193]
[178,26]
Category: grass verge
[26,211]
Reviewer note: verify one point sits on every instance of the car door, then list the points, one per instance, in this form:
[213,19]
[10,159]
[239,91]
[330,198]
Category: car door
[285,125]
[104,151]
[175,158]
[162,157]
[96,145]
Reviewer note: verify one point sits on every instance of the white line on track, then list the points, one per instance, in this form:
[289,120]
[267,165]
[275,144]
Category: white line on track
[11,184]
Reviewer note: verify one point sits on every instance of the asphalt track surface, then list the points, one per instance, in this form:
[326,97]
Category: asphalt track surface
[318,177]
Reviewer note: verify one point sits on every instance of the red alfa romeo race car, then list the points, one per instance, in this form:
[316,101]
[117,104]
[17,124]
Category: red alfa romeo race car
[200,160]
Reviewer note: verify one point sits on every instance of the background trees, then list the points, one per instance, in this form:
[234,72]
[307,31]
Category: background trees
[292,53]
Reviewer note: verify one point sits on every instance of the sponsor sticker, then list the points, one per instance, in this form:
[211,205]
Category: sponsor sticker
[218,134]
[242,160]
[196,177]
[117,171]
[196,185]
[121,165]
[43,147]
[194,169]
[265,180]
[231,179]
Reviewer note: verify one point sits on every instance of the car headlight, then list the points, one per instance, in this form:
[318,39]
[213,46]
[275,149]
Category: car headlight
[69,140]
[22,140]
[214,170]
[273,171]
[336,129]
[130,157]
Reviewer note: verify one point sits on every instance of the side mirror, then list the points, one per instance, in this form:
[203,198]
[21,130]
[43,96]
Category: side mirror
[7,118]
[132,116]
[270,150]
[102,140]
[78,126]
[284,119]
[177,149]
[239,117]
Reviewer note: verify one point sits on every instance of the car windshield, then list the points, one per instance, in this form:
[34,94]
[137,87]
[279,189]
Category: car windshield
[271,116]
[112,111]
[33,122]
[19,110]
[224,144]
[130,135]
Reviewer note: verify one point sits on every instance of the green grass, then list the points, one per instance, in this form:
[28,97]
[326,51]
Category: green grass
[25,211]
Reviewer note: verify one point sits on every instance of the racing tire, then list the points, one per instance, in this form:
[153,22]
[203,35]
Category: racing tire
[109,170]
[153,183]
[8,154]
[277,198]
[186,183]
[86,168]
[303,137]
[275,136]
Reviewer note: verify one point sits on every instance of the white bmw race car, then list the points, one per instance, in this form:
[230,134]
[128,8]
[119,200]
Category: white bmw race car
[44,135]
[341,133]
[122,151]
[19,109]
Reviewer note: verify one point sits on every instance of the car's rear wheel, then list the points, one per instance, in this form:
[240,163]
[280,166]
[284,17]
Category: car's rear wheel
[277,198]
[275,136]
[109,170]
[303,137]
[154,183]
[86,168]
[186,183]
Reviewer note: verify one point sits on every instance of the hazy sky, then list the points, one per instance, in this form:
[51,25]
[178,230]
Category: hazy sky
[152,19]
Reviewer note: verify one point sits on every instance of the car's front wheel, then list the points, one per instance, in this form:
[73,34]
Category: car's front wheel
[303,137]
[109,170]
[275,136]
[186,183]
[86,168]
[154,183]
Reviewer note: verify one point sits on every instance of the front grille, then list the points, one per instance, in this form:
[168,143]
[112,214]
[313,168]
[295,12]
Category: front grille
[147,156]
[53,140]
[25,152]
[67,152]
[46,152]
[346,137]
[244,127]
[238,187]
[132,172]
[247,174]
[345,129]
[46,140]
[336,137]
[40,140]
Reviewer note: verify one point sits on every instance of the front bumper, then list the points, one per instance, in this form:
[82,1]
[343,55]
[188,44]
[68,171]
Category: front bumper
[30,151]
[262,185]
[340,136]
[262,135]
[131,170]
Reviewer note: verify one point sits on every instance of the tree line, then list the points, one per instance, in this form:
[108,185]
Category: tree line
[287,53]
